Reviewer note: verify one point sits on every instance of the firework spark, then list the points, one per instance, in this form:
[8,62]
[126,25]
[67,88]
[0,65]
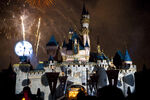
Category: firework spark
[38,35]
[40,3]
[38,41]
[23,28]
[39,23]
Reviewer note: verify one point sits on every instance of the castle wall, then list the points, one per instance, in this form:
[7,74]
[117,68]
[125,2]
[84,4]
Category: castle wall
[78,76]
[126,79]
[103,79]
[20,77]
[36,82]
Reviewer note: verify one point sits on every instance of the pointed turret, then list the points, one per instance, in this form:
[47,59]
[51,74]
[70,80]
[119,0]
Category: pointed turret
[52,41]
[86,45]
[50,58]
[64,44]
[118,59]
[84,11]
[85,18]
[52,48]
[127,56]
[127,59]
[75,36]
[70,31]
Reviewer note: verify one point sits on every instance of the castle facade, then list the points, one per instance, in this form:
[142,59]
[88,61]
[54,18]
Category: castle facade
[81,67]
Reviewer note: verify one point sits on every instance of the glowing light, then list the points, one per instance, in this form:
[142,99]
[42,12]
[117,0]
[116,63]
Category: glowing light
[23,48]
[40,3]
[23,28]
[40,62]
[73,94]
[23,99]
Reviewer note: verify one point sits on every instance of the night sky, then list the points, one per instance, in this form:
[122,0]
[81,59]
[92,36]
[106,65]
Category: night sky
[115,24]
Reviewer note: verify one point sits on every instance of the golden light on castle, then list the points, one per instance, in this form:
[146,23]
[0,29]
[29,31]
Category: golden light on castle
[23,98]
[73,93]
[40,3]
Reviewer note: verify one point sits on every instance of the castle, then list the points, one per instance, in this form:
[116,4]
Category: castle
[78,64]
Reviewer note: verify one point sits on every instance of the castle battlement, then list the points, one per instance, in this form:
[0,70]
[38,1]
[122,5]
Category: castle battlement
[127,71]
[36,72]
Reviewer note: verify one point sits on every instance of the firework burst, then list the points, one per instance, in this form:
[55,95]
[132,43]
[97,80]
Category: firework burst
[40,3]
[23,28]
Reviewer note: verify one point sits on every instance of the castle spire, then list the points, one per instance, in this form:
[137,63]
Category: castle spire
[64,44]
[52,41]
[86,45]
[85,18]
[84,11]
[98,49]
[127,59]
[127,56]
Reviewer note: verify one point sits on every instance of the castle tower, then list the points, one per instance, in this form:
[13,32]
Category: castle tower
[85,25]
[85,18]
[52,48]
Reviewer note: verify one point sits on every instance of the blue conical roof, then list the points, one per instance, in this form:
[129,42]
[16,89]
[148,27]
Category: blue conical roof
[64,44]
[120,54]
[50,58]
[52,41]
[86,44]
[127,56]
[102,56]
[75,36]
